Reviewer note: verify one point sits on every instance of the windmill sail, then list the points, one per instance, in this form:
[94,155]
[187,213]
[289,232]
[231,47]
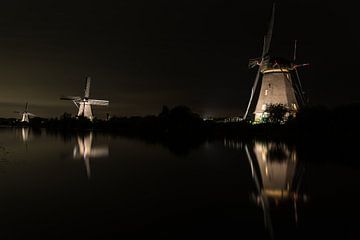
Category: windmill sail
[72,98]
[253,89]
[87,87]
[268,36]
[265,51]
[98,102]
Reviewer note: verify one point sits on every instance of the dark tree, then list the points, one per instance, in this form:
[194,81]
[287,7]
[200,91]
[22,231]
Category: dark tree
[278,113]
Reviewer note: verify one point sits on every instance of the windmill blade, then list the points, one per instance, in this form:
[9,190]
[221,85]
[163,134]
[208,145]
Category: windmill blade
[301,65]
[298,78]
[26,106]
[268,36]
[72,98]
[295,51]
[87,87]
[31,114]
[298,91]
[293,84]
[252,92]
[18,112]
[299,85]
[98,102]
[253,62]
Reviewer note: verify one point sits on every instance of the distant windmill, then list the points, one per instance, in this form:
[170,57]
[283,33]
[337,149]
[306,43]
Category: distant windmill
[84,103]
[85,150]
[25,114]
[280,80]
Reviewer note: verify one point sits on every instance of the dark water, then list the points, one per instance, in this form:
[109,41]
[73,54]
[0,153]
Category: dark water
[96,186]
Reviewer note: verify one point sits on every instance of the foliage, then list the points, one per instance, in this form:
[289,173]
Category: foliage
[278,113]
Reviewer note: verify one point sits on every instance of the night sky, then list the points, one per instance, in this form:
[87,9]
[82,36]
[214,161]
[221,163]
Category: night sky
[142,55]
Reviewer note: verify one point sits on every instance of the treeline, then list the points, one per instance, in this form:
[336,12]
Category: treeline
[315,121]
[179,120]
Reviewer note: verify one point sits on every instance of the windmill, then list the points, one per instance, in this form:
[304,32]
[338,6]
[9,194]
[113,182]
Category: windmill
[25,115]
[280,82]
[85,150]
[84,103]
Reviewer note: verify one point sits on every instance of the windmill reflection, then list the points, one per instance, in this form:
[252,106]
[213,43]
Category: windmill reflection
[25,134]
[277,175]
[85,150]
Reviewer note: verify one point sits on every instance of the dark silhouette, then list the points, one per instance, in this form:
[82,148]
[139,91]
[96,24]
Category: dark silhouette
[278,113]
[316,122]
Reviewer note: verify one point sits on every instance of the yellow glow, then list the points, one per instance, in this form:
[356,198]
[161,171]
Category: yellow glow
[294,106]
[275,193]
[276,70]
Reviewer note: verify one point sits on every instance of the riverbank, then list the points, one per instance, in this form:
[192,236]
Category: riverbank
[312,122]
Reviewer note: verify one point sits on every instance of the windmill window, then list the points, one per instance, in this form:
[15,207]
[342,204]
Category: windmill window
[266,92]
[263,107]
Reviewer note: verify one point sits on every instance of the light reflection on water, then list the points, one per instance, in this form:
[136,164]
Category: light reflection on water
[212,189]
[277,175]
[25,134]
[86,151]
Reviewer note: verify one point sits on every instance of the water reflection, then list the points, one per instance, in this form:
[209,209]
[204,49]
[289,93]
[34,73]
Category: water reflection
[233,144]
[85,150]
[25,134]
[277,175]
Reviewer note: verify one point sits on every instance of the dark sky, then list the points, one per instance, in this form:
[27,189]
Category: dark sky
[145,54]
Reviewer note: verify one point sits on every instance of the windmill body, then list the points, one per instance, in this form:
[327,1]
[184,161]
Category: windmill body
[280,82]
[84,103]
[25,115]
[85,109]
[276,88]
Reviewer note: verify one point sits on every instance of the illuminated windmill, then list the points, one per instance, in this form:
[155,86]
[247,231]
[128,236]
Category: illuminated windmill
[84,103]
[25,115]
[85,150]
[280,82]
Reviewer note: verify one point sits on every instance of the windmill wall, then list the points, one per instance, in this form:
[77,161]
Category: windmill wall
[276,88]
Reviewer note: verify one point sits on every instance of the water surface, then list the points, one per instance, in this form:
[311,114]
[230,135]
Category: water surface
[93,185]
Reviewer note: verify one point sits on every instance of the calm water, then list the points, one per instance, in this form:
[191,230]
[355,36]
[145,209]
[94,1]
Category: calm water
[90,185]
